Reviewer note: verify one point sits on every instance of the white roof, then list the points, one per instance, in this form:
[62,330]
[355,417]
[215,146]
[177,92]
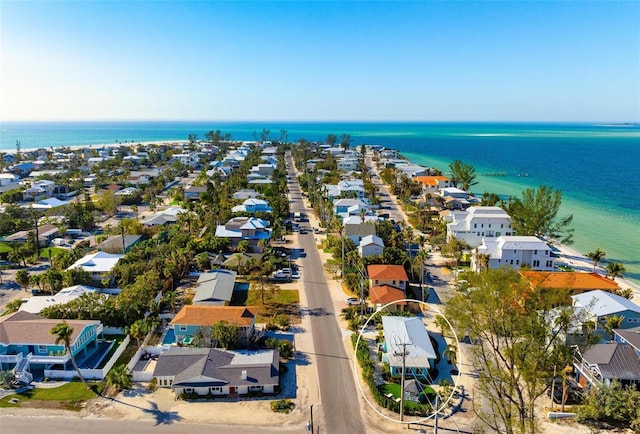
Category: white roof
[356,220]
[97,262]
[399,330]
[51,202]
[602,303]
[495,246]
[38,303]
[371,239]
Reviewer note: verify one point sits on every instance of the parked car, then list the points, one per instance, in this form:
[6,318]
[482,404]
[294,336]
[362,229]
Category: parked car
[283,273]
[353,301]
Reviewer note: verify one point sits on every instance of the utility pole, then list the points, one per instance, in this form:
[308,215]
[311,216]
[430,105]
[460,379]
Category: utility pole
[435,418]
[342,234]
[404,357]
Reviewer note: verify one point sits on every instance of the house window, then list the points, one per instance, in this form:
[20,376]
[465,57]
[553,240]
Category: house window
[215,389]
[512,262]
[182,328]
[254,388]
[633,319]
[535,252]
[517,261]
[42,348]
[394,282]
[546,252]
[475,225]
[501,225]
[536,263]
[489,224]
[549,264]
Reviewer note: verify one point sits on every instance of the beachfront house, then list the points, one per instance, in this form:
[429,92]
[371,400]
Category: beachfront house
[515,252]
[573,283]
[216,372]
[433,183]
[410,335]
[478,222]
[28,347]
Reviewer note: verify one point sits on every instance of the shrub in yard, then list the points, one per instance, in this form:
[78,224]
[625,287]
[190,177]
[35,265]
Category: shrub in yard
[282,405]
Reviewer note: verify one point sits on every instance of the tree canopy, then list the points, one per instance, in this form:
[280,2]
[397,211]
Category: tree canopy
[536,214]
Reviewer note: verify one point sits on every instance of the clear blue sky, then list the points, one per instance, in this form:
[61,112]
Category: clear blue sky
[339,60]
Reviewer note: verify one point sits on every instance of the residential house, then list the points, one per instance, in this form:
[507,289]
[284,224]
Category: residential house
[356,232]
[215,372]
[348,164]
[251,229]
[265,170]
[46,233]
[574,283]
[246,194]
[410,335]
[601,305]
[346,188]
[253,206]
[193,193]
[119,243]
[49,203]
[411,170]
[384,294]
[39,190]
[162,218]
[192,318]
[28,347]
[513,251]
[607,362]
[215,288]
[628,336]
[142,177]
[384,274]
[370,245]
[347,207]
[36,304]
[433,183]
[479,222]
[8,181]
[99,265]
[187,159]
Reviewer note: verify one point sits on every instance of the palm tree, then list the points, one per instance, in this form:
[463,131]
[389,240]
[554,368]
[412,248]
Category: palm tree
[119,377]
[63,332]
[615,269]
[596,257]
[612,322]
[451,353]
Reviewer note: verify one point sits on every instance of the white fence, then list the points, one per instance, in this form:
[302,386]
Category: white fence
[90,374]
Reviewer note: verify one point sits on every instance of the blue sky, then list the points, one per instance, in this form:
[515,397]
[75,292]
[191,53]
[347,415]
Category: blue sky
[329,60]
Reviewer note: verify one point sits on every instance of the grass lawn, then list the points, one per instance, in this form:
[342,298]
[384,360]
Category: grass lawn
[394,389]
[4,248]
[54,251]
[279,301]
[69,396]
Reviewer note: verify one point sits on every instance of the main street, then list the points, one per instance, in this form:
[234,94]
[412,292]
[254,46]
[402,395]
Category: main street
[338,393]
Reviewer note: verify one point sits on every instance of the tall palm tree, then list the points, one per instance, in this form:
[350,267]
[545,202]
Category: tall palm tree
[451,353]
[615,269]
[596,257]
[63,332]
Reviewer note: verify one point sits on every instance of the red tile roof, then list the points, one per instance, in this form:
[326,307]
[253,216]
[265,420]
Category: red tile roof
[209,315]
[386,294]
[569,280]
[387,272]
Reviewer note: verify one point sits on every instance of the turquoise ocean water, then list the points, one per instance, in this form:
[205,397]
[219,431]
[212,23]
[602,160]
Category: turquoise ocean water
[595,166]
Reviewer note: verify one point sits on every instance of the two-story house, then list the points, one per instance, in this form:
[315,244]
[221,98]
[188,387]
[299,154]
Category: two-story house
[192,318]
[253,205]
[513,251]
[100,265]
[28,347]
[410,335]
[479,222]
[384,274]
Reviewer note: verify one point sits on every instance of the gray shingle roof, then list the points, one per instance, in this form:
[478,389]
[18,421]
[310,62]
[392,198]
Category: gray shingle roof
[213,367]
[615,361]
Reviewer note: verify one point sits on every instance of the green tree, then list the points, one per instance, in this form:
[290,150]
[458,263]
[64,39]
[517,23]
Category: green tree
[119,378]
[138,331]
[451,353]
[64,332]
[489,199]
[225,335]
[536,214]
[596,256]
[515,355]
[462,174]
[615,269]
[611,404]
[108,202]
[23,278]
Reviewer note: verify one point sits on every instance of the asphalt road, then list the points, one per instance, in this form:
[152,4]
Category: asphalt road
[338,393]
[161,425]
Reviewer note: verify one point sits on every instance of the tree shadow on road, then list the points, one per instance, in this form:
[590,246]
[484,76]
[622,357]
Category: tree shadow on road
[161,417]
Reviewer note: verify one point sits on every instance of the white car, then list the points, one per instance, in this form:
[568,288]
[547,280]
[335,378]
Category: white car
[283,273]
[353,301]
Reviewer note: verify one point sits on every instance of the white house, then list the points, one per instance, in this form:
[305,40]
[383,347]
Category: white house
[99,264]
[514,251]
[347,164]
[37,303]
[370,245]
[479,222]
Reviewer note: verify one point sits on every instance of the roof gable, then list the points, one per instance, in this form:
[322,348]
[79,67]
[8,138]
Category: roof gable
[387,272]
